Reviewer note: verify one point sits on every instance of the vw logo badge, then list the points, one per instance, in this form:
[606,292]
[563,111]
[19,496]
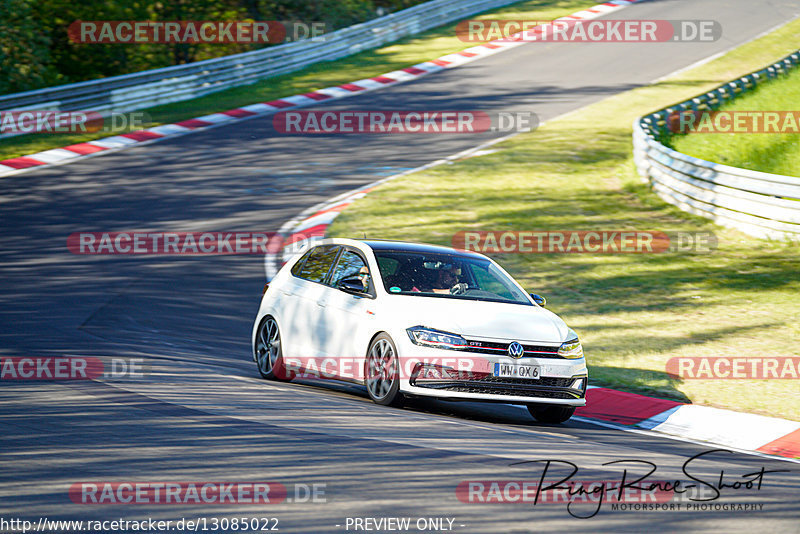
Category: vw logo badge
[515,350]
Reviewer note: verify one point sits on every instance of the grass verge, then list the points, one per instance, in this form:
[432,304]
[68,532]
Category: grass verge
[409,51]
[775,153]
[633,311]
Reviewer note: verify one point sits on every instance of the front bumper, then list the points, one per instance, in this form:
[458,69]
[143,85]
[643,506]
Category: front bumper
[543,389]
[465,375]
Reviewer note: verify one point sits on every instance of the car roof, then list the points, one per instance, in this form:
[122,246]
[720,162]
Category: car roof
[415,247]
[400,246]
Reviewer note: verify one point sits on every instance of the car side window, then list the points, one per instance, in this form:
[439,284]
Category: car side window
[318,263]
[348,266]
[299,265]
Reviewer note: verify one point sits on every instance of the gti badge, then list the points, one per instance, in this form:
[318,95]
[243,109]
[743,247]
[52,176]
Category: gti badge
[515,350]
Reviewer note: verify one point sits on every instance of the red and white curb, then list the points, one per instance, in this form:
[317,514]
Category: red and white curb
[71,153]
[311,226]
[743,431]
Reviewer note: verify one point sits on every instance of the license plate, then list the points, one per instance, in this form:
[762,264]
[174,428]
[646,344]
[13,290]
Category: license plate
[507,370]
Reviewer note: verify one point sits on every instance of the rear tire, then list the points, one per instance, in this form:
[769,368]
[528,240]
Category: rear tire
[551,414]
[382,372]
[268,350]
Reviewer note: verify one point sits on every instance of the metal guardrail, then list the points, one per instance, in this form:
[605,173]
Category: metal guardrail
[757,203]
[182,82]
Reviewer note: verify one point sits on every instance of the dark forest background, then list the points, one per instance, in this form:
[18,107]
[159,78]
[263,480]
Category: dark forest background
[35,51]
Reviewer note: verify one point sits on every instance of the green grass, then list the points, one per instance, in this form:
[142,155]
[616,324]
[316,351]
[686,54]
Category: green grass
[401,54]
[633,312]
[775,153]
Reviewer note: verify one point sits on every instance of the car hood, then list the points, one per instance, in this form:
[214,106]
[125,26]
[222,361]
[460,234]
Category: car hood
[479,319]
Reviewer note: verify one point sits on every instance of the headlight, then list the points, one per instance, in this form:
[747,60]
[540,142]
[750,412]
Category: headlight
[571,348]
[429,337]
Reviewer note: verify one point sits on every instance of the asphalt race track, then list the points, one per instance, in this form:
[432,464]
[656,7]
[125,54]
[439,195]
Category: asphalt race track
[202,414]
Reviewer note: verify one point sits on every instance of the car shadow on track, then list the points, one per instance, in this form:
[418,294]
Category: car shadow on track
[484,412]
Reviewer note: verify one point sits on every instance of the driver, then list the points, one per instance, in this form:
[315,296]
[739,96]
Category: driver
[446,278]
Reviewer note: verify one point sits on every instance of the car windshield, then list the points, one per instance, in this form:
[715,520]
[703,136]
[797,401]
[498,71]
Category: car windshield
[446,275]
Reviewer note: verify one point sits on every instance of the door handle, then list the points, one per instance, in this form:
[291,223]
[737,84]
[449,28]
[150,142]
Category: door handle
[321,303]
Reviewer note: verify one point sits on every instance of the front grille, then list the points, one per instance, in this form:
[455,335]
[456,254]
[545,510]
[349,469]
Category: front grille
[504,388]
[469,376]
[544,381]
[470,382]
[493,347]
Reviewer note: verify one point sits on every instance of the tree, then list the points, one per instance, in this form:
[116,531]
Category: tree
[25,61]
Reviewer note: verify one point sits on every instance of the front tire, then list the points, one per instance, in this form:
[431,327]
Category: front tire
[382,372]
[551,414]
[268,350]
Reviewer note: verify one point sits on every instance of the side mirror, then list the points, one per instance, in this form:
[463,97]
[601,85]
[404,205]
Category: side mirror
[538,299]
[352,285]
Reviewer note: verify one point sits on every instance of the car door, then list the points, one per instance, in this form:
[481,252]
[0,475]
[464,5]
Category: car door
[309,292]
[349,316]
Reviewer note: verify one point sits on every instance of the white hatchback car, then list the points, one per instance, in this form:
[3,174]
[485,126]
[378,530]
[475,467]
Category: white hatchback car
[421,320]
